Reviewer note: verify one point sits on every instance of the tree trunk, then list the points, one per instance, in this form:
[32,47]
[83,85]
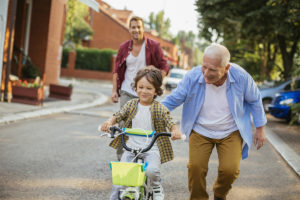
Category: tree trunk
[263,57]
[272,52]
[287,57]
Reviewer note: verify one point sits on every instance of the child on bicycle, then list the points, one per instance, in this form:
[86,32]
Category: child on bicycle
[146,113]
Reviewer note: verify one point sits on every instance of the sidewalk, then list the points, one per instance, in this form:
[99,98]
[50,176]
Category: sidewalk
[11,112]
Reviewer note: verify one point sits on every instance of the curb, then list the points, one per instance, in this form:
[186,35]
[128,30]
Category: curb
[49,111]
[288,154]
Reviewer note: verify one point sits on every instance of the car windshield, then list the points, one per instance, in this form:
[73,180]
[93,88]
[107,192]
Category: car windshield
[176,75]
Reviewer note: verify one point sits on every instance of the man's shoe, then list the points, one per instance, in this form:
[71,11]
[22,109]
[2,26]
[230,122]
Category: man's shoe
[218,198]
[158,193]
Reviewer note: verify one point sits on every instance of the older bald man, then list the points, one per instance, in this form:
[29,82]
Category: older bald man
[218,99]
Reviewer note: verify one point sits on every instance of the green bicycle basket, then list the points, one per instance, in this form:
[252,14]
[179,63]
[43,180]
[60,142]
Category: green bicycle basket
[128,174]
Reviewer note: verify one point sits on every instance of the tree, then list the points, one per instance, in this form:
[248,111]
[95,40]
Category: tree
[287,27]
[187,38]
[160,24]
[261,27]
[77,28]
[186,42]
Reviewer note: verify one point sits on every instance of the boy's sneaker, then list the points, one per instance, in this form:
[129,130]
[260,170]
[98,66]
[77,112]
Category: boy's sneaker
[158,193]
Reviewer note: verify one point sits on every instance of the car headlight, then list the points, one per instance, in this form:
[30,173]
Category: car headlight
[277,94]
[286,101]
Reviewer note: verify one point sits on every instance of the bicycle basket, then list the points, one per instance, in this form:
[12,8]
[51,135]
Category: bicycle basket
[128,174]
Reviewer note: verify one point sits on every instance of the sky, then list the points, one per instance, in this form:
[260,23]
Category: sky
[181,13]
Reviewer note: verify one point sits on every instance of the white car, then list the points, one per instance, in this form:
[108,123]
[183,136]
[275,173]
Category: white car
[176,75]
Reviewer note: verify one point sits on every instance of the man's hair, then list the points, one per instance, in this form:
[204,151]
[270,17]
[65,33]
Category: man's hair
[153,75]
[136,18]
[215,50]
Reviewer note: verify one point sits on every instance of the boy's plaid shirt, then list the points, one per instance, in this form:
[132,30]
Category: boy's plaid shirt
[161,120]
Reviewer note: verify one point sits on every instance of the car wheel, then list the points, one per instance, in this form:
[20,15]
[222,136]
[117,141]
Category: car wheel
[168,88]
[289,117]
[266,103]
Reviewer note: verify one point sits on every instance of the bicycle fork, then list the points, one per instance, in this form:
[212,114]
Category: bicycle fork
[137,193]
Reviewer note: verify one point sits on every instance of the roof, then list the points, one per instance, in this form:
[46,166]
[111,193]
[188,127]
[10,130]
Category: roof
[122,15]
[106,12]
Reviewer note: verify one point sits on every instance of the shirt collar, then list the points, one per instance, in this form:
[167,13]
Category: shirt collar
[201,80]
[131,43]
[229,75]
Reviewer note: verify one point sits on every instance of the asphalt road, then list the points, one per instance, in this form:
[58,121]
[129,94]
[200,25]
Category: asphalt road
[62,157]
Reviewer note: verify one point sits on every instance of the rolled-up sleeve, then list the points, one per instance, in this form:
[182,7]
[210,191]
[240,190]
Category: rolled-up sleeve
[162,62]
[118,61]
[123,113]
[168,121]
[253,98]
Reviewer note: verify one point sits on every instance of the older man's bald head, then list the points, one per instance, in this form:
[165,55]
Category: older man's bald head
[218,51]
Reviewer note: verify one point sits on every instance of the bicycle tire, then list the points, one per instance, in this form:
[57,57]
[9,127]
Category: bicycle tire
[147,195]
[119,194]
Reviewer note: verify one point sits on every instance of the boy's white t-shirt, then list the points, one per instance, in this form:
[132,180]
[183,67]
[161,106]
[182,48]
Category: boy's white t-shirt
[143,121]
[215,119]
[134,64]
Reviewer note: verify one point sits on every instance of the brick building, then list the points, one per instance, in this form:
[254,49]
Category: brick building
[34,29]
[110,28]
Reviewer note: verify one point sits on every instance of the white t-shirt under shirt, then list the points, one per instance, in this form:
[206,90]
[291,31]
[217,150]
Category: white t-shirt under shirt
[143,121]
[215,119]
[134,64]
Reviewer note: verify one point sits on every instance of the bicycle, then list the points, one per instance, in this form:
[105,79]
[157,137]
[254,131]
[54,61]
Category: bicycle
[132,175]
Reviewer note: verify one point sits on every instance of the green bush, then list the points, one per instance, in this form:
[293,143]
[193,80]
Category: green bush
[65,58]
[94,59]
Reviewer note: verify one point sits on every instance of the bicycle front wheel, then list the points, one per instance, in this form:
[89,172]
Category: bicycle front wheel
[146,191]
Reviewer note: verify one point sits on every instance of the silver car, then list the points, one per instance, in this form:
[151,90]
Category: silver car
[176,75]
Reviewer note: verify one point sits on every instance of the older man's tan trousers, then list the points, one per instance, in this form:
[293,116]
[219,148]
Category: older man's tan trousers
[229,151]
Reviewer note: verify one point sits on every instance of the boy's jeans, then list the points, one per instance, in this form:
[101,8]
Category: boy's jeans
[152,171]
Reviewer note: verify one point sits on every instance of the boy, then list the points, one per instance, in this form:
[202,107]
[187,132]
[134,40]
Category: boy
[146,113]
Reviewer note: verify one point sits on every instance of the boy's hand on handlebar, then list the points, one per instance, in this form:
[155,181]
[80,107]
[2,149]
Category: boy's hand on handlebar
[105,126]
[108,123]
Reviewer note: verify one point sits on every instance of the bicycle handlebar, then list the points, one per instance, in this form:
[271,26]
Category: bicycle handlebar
[113,129]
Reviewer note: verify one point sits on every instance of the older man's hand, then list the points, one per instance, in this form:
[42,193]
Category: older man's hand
[259,137]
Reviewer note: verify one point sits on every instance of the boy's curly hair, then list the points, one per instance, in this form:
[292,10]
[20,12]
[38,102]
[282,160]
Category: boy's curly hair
[153,75]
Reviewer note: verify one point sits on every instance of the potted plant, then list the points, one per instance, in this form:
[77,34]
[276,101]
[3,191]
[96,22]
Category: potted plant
[60,91]
[28,93]
[30,71]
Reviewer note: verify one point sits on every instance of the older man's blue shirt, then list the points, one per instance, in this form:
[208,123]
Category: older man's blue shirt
[243,98]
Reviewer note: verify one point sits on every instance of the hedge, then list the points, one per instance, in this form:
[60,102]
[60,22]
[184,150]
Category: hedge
[94,59]
[90,59]
[65,58]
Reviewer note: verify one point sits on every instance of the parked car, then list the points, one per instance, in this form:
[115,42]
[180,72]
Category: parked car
[281,106]
[268,94]
[176,75]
